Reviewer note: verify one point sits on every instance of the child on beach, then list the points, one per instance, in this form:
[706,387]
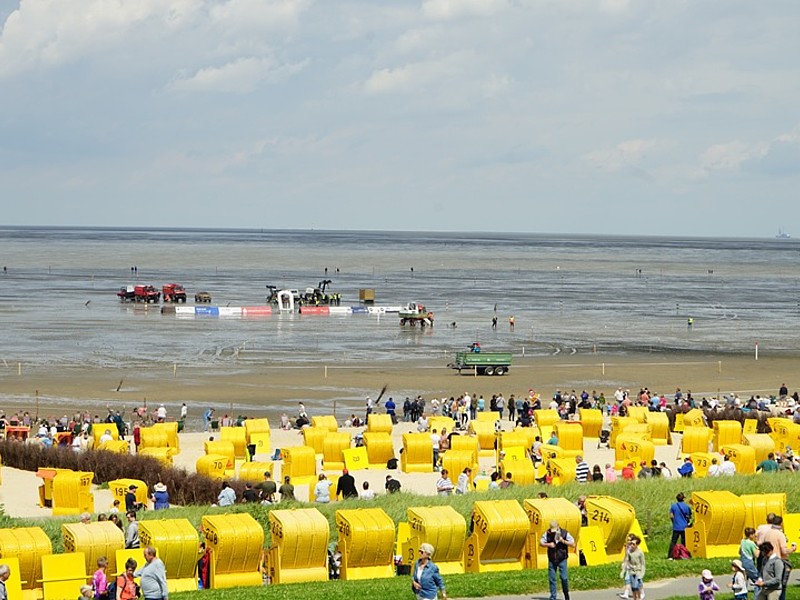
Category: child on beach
[739,582]
[707,586]
[633,568]
[748,553]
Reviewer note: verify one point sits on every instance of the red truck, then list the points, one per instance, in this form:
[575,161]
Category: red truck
[139,293]
[174,292]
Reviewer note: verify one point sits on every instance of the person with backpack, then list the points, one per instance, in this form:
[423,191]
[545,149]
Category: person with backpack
[680,514]
[558,541]
[771,578]
[124,587]
[776,537]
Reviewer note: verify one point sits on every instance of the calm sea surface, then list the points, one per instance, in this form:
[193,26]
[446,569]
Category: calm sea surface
[568,294]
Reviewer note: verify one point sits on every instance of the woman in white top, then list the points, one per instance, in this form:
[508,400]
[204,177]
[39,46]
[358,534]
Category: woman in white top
[366,493]
[462,485]
[322,491]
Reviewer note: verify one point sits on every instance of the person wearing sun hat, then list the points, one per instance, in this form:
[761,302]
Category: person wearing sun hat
[558,541]
[707,586]
[739,582]
[160,496]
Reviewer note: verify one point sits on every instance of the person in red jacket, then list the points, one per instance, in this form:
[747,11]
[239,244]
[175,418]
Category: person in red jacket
[628,472]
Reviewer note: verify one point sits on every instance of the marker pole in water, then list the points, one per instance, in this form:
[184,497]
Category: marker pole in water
[756,350]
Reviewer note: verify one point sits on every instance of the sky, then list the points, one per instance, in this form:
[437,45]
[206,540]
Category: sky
[662,117]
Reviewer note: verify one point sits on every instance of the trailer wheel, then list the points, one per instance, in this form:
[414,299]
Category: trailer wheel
[499,370]
[489,371]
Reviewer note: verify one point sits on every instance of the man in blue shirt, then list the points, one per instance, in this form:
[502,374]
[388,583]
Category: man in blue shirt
[680,513]
[687,468]
[390,409]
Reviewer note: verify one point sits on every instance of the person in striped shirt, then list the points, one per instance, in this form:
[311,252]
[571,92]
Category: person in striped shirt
[581,470]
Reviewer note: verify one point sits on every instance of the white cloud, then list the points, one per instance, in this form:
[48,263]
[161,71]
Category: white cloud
[258,15]
[731,156]
[445,10]
[460,97]
[414,76]
[48,33]
[496,85]
[790,137]
[625,154]
[239,76]
[614,5]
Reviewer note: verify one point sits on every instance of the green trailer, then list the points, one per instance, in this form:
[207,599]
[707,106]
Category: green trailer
[484,363]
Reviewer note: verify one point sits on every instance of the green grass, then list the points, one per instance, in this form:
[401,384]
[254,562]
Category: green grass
[650,498]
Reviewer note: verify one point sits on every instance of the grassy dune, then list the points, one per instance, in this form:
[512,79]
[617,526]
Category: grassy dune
[650,498]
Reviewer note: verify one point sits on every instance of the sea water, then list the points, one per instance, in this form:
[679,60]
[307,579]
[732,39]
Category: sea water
[568,294]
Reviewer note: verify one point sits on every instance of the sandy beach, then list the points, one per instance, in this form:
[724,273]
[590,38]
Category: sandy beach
[19,495]
[341,388]
[272,391]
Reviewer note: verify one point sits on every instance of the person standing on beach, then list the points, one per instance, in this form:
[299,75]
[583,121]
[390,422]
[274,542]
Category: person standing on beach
[207,416]
[153,576]
[100,579]
[390,410]
[5,573]
[132,532]
[370,407]
[444,487]
[680,513]
[558,541]
[160,496]
[462,486]
[771,576]
[426,581]
[581,470]
[494,322]
[511,322]
[633,566]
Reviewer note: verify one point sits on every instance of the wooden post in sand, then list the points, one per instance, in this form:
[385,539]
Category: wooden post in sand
[719,367]
[19,368]
[37,405]
[604,368]
[756,350]
[174,370]
[326,371]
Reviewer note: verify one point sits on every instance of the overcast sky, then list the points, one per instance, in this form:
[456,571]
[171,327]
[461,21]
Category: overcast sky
[560,116]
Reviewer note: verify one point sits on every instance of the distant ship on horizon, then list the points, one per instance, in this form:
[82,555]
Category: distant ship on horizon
[782,235]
